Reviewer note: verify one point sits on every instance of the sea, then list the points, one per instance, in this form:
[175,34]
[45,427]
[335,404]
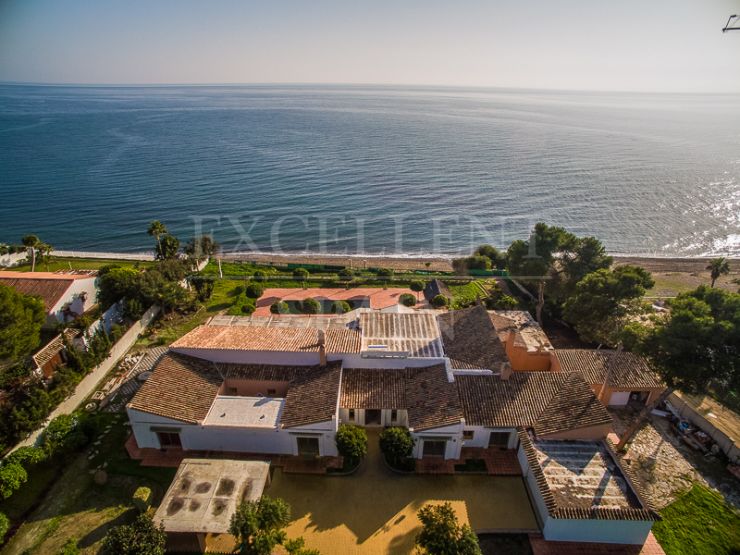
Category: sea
[370,170]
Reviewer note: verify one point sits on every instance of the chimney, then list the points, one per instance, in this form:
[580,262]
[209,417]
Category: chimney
[322,348]
[505,370]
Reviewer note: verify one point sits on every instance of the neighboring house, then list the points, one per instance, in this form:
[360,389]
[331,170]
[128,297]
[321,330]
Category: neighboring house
[65,295]
[54,354]
[436,287]
[375,298]
[618,378]
[527,346]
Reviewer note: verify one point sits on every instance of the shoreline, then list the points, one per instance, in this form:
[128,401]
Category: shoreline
[431,262]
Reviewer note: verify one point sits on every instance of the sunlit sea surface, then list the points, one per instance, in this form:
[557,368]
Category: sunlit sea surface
[368,169]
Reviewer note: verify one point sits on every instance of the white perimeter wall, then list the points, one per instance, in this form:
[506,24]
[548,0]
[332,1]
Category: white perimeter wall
[453,435]
[481,436]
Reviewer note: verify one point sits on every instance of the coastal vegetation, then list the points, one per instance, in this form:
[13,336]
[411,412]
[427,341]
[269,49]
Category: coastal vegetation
[21,318]
[442,534]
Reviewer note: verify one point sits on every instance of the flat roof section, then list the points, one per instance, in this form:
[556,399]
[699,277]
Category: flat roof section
[206,492]
[245,412]
[583,475]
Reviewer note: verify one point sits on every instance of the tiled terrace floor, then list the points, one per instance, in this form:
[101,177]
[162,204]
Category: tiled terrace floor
[374,510]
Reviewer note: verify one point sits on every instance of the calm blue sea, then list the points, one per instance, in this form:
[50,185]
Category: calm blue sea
[368,169]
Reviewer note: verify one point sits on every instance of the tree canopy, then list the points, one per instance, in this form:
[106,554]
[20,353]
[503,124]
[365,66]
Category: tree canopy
[699,344]
[141,537]
[603,301]
[718,267]
[258,525]
[167,247]
[21,318]
[442,535]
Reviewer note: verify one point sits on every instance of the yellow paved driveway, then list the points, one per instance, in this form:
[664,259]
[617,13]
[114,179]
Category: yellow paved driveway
[374,510]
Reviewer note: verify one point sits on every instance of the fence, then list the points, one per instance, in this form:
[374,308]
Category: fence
[146,256]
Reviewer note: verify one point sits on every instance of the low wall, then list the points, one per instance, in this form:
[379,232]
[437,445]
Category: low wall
[688,412]
[146,256]
[7,260]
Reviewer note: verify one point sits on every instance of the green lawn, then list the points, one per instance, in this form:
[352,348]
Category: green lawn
[699,523]
[61,263]
[75,507]
[465,295]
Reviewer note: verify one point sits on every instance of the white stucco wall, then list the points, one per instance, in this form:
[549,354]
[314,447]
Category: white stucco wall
[83,285]
[239,440]
[453,435]
[619,398]
[385,417]
[481,436]
[252,357]
[358,361]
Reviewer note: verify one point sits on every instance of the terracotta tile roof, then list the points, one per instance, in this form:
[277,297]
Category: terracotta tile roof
[625,370]
[372,388]
[258,338]
[180,387]
[568,506]
[546,401]
[377,298]
[183,388]
[470,340]
[313,396]
[48,286]
[431,400]
[416,333]
[54,347]
[528,333]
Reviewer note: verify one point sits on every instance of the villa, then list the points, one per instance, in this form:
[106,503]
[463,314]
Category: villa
[272,388]
[65,295]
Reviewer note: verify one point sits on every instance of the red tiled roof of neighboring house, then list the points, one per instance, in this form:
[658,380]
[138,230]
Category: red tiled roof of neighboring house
[527,332]
[546,401]
[373,388]
[377,298]
[470,339]
[180,387]
[431,400]
[54,347]
[625,370]
[48,286]
[258,338]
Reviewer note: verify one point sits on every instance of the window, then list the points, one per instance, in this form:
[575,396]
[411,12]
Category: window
[434,447]
[499,439]
[351,415]
[468,434]
[308,446]
[169,439]
[394,416]
[271,392]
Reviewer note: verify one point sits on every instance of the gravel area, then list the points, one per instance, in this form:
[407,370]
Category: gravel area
[666,466]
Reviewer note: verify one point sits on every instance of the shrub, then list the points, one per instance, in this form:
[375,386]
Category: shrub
[346,274]
[26,456]
[258,525]
[248,307]
[407,299]
[203,287]
[417,286]
[385,274]
[280,307]
[4,526]
[301,274]
[242,305]
[140,538]
[259,276]
[254,290]
[341,307]
[440,301]
[12,477]
[501,302]
[351,442]
[311,306]
[396,444]
[70,547]
[63,435]
[142,499]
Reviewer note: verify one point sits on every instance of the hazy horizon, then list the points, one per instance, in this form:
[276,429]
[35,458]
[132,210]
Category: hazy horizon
[662,47]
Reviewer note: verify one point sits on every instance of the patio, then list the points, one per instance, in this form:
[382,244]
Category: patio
[374,510]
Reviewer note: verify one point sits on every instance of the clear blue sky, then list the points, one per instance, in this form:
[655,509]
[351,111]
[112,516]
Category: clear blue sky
[654,45]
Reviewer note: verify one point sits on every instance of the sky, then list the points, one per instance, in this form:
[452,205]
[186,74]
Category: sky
[629,45]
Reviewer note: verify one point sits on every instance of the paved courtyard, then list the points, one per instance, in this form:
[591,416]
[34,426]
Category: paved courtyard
[374,510]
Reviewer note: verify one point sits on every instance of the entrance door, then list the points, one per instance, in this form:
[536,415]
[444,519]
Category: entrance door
[499,440]
[372,417]
[308,447]
[434,448]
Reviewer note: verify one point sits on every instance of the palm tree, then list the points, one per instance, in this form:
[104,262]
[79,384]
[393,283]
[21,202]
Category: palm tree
[156,230]
[31,242]
[718,267]
[45,250]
